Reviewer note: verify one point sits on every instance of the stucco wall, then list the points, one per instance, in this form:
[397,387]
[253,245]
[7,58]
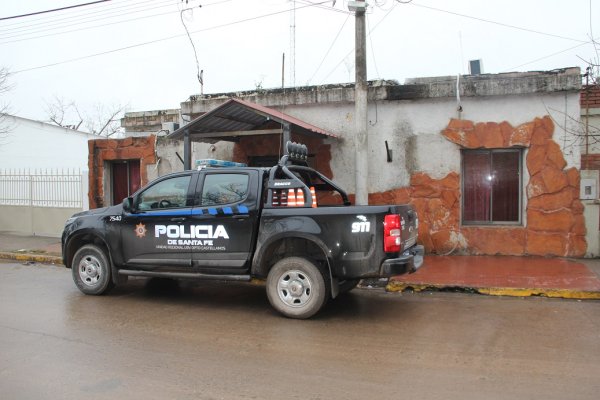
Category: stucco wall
[40,221]
[412,129]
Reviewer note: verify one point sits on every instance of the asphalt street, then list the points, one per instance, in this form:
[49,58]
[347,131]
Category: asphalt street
[163,340]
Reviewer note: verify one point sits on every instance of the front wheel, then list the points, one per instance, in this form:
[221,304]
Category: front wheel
[297,288]
[91,270]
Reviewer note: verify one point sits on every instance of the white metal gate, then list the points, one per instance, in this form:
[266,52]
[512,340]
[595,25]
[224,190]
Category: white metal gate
[38,202]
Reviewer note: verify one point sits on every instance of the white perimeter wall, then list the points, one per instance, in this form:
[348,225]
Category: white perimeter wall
[32,146]
[38,145]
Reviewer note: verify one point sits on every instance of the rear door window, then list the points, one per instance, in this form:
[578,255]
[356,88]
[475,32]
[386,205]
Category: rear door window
[220,189]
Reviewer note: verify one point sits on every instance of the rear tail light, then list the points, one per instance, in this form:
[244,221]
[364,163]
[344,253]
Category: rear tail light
[392,232]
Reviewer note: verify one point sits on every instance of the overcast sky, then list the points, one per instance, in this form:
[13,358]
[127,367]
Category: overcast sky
[149,62]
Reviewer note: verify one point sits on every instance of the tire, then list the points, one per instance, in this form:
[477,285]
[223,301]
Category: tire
[297,288]
[348,285]
[91,270]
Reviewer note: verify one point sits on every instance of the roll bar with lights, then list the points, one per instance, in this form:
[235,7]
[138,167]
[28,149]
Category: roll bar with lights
[285,175]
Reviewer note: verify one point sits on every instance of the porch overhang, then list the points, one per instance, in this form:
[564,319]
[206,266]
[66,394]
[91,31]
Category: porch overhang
[238,118]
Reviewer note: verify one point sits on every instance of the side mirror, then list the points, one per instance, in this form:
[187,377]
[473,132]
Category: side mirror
[128,204]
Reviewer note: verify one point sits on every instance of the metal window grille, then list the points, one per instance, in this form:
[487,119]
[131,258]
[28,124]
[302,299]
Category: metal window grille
[41,188]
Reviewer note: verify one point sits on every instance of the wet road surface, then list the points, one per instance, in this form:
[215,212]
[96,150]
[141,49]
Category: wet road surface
[161,340]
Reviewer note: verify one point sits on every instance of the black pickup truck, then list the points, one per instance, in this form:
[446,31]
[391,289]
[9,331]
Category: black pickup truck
[241,223]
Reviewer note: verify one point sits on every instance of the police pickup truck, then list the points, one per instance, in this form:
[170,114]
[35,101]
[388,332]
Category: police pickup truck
[240,223]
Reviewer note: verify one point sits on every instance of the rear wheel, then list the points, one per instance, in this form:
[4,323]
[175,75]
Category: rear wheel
[297,288]
[91,270]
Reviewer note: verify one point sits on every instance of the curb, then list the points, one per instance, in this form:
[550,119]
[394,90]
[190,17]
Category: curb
[577,294]
[512,292]
[38,258]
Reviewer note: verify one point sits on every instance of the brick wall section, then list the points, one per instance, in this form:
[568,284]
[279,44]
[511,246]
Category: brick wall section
[590,95]
[590,161]
[555,222]
[101,150]
[269,145]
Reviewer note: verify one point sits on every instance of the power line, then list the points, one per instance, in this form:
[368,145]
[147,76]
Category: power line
[352,50]
[592,35]
[293,44]
[108,10]
[162,39]
[84,28]
[80,21]
[92,17]
[372,50]
[496,22]
[381,3]
[199,74]
[53,10]
[69,13]
[107,24]
[329,49]
[582,42]
[328,8]
[548,56]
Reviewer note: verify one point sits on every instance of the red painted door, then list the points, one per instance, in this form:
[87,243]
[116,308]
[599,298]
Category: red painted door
[125,179]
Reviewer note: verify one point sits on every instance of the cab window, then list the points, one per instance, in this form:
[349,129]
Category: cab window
[222,189]
[169,193]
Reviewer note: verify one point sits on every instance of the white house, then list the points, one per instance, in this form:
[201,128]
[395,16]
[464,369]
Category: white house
[43,176]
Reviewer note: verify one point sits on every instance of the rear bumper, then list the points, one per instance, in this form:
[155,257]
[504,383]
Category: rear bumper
[408,262]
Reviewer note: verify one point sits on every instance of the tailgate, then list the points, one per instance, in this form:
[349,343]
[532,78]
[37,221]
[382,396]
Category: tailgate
[409,225]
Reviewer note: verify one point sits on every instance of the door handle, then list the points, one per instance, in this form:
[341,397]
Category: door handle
[178,219]
[240,216]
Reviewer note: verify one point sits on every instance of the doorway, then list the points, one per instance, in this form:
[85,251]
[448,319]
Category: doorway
[126,179]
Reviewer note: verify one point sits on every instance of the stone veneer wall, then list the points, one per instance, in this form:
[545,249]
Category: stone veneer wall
[553,222]
[101,150]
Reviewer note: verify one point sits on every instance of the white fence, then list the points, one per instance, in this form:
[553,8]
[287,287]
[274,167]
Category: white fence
[41,188]
[39,201]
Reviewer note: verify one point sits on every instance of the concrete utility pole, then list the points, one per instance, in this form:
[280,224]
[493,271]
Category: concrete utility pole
[361,141]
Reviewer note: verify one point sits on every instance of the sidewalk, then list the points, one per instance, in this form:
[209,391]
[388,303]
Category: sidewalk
[30,248]
[492,275]
[506,276]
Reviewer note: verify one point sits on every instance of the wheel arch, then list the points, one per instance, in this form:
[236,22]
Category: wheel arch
[81,239]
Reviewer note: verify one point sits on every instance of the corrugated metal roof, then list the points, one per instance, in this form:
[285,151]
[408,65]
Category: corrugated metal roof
[237,115]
